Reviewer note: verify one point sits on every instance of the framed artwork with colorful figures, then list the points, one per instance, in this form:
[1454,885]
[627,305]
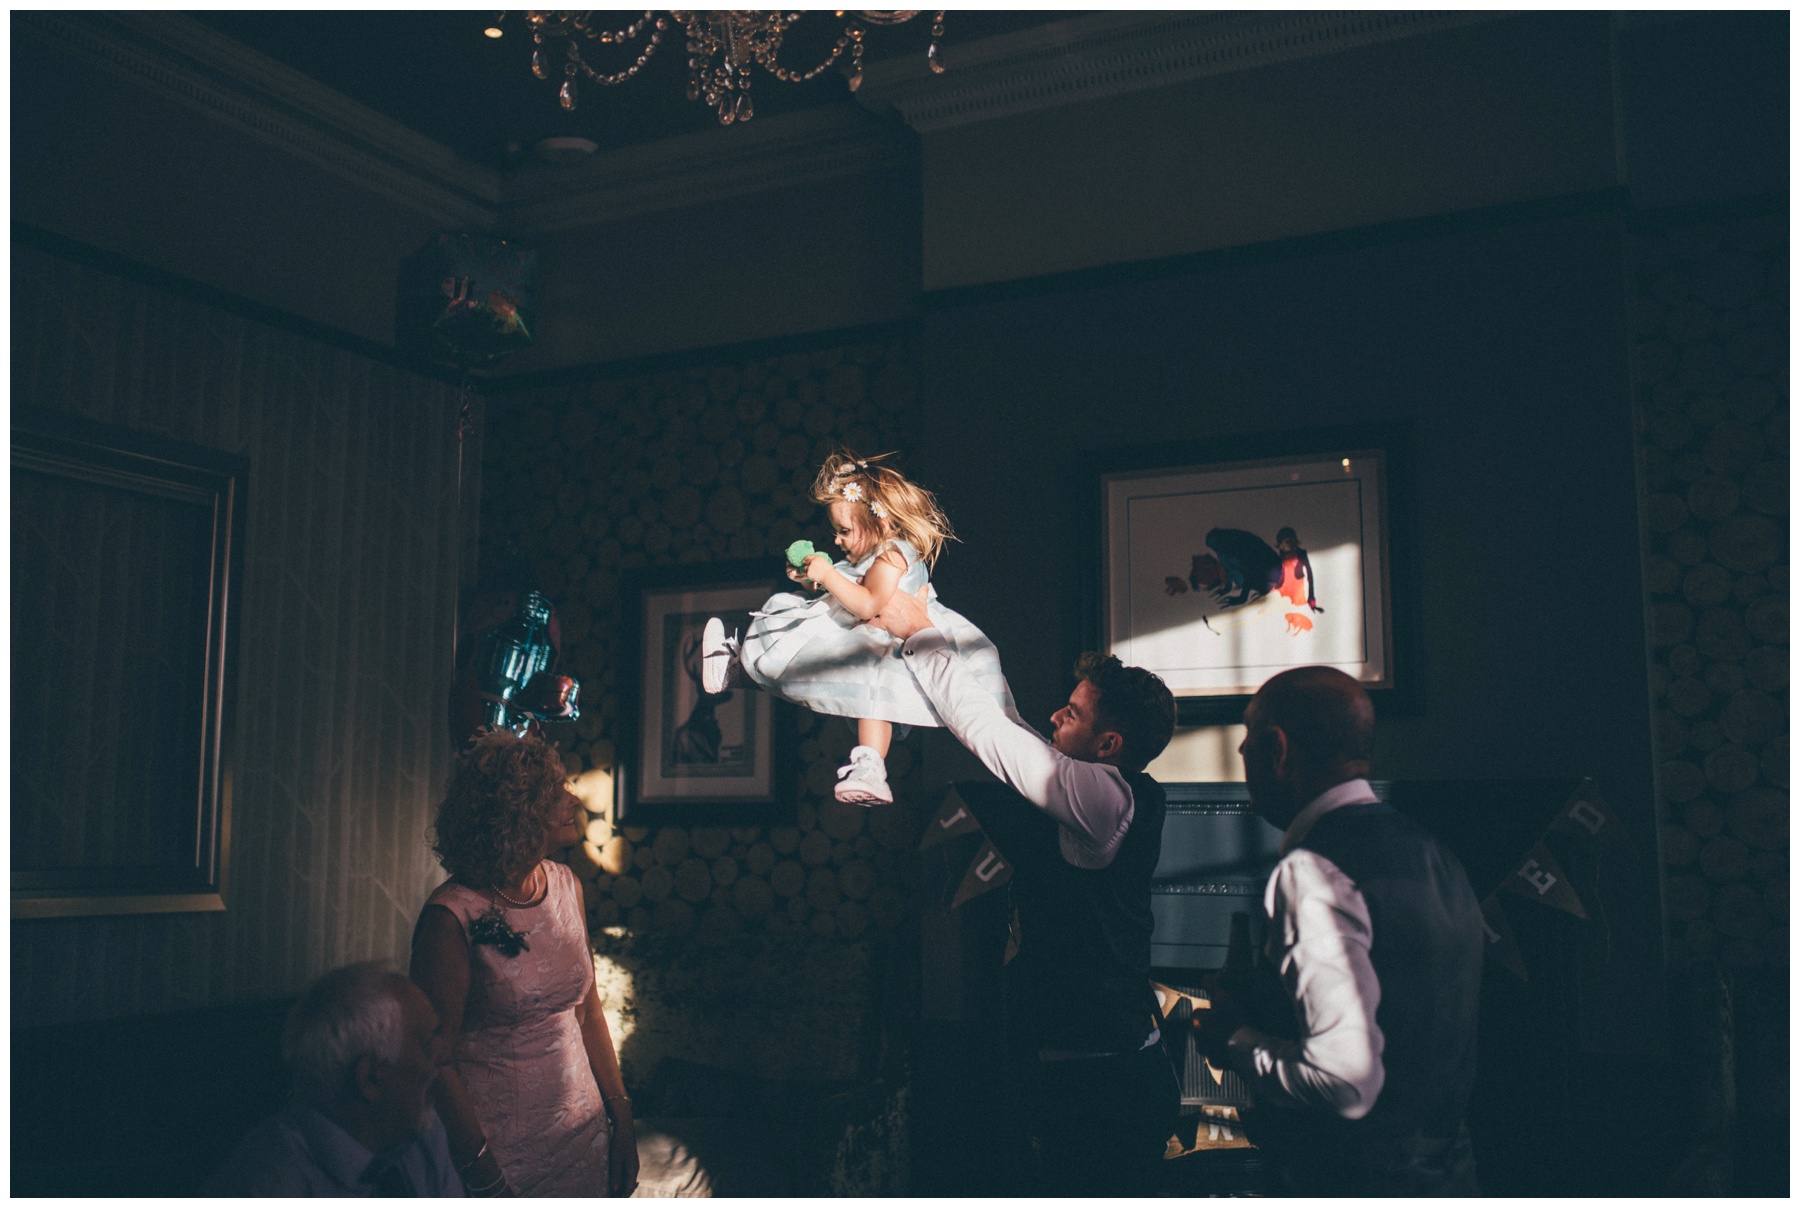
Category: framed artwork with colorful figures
[1247,558]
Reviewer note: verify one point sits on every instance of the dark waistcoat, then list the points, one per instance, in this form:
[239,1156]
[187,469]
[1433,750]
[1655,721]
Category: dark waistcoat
[1427,951]
[1081,980]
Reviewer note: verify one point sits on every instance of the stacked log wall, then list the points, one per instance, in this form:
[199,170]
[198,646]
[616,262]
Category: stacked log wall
[756,947]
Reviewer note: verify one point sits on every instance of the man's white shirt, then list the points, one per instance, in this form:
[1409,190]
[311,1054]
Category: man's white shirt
[1319,938]
[1090,802]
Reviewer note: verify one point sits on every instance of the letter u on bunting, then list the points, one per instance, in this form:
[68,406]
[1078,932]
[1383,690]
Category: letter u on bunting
[989,871]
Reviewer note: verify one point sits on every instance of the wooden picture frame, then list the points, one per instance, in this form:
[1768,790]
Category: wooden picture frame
[686,758]
[1224,563]
[127,564]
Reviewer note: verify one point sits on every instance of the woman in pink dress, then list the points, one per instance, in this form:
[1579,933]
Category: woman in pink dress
[532,1099]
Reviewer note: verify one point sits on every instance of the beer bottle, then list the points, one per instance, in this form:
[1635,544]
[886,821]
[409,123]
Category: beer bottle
[1234,978]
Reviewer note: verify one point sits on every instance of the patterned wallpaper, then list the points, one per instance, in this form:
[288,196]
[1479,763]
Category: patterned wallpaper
[1711,319]
[754,948]
[351,567]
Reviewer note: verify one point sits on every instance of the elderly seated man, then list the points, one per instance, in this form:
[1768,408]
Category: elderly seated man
[363,1046]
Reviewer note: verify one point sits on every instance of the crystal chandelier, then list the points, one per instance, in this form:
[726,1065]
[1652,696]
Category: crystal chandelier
[721,48]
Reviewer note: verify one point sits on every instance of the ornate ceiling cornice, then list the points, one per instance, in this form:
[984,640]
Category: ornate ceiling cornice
[1070,61]
[184,60]
[1107,54]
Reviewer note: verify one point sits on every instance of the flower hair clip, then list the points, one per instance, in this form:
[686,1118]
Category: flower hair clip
[855,492]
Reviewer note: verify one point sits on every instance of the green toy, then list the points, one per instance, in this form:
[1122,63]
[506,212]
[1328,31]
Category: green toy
[799,552]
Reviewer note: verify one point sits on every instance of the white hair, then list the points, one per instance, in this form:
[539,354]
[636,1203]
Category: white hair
[348,1014]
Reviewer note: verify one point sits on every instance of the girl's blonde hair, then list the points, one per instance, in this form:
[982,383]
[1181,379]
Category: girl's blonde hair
[885,500]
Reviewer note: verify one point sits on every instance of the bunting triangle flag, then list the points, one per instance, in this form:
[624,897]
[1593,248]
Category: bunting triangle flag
[1586,815]
[988,871]
[1502,945]
[1540,878]
[952,819]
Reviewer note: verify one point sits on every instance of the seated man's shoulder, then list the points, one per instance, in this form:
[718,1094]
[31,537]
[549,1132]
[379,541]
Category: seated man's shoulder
[271,1160]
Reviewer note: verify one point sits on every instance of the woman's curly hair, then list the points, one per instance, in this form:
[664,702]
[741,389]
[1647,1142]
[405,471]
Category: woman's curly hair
[505,801]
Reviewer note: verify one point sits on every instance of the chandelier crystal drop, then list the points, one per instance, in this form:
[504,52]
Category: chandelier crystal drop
[722,47]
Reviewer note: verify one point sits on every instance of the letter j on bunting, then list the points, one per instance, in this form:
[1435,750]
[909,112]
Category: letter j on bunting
[952,819]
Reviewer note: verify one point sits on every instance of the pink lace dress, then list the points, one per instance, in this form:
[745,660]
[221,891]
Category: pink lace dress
[521,1055]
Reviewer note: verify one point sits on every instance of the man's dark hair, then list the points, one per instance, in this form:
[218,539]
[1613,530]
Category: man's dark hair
[1133,703]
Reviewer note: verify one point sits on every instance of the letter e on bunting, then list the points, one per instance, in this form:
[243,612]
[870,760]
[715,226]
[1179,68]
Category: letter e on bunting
[989,871]
[1539,878]
[952,819]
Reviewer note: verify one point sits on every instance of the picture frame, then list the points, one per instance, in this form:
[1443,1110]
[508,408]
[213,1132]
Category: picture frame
[686,758]
[1224,563]
[128,553]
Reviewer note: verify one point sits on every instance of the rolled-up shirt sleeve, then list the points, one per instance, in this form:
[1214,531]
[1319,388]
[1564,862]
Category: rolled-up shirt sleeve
[1319,943]
[1090,802]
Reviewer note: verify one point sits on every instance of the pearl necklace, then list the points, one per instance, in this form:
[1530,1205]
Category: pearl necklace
[531,899]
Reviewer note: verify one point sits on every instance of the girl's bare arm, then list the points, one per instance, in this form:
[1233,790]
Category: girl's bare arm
[864,599]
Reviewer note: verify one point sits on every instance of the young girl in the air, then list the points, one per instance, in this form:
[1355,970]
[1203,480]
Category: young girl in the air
[817,652]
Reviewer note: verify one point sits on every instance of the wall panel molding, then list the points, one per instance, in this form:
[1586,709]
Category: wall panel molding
[711,165]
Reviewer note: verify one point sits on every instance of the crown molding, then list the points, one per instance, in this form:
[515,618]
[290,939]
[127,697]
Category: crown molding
[1081,59]
[711,165]
[180,58]
[1109,54]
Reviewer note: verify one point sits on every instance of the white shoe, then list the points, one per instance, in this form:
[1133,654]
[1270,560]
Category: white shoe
[863,781]
[717,653]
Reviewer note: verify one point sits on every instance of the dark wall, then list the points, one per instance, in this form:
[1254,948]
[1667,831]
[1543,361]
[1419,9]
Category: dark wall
[1503,110]
[1703,101]
[1504,347]
[816,256]
[153,176]
[352,544]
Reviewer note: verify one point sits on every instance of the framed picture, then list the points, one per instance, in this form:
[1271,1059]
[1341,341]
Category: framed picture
[690,758]
[1223,565]
[127,569]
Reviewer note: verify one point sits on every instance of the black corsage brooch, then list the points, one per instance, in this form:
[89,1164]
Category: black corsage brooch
[493,929]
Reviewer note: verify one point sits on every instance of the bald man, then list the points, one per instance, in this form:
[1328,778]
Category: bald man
[1359,1043]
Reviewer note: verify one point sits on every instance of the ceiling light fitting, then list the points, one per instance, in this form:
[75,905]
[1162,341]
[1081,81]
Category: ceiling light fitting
[721,47]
